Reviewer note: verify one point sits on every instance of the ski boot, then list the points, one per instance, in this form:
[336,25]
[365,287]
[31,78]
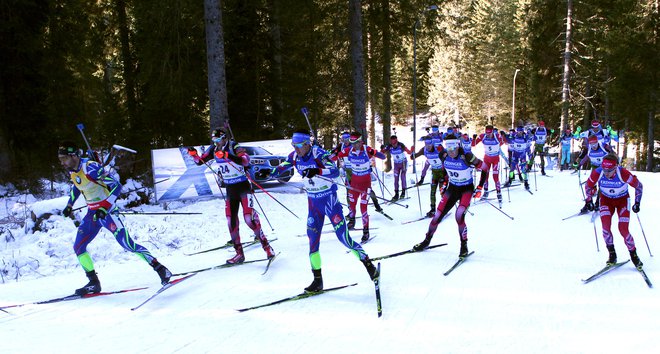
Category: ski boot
[526,184]
[421,181]
[317,283]
[422,245]
[499,197]
[238,257]
[396,196]
[636,261]
[371,269]
[485,195]
[351,223]
[270,253]
[365,235]
[93,287]
[543,171]
[508,183]
[464,249]
[431,212]
[162,271]
[403,194]
[612,260]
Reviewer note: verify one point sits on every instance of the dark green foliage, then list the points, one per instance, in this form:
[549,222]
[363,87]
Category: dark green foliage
[140,80]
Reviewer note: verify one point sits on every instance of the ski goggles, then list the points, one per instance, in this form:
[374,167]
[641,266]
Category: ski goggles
[452,145]
[354,139]
[608,165]
[299,139]
[217,139]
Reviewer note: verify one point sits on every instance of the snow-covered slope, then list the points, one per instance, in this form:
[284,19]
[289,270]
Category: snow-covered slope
[521,292]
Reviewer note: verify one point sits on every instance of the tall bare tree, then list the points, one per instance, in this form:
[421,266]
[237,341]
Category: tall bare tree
[357,61]
[565,92]
[215,59]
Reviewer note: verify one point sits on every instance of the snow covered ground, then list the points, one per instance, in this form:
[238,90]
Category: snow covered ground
[521,292]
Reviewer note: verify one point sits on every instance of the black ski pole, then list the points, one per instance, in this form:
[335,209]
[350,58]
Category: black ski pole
[644,234]
[498,209]
[263,212]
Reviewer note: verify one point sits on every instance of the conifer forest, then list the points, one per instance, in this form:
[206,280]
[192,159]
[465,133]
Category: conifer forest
[150,74]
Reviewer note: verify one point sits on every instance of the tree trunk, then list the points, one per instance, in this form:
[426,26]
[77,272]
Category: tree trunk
[357,61]
[387,79]
[650,146]
[127,59]
[275,35]
[565,103]
[5,158]
[215,61]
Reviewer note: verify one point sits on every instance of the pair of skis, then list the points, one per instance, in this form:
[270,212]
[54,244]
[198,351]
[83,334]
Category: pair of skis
[307,294]
[188,275]
[610,267]
[229,245]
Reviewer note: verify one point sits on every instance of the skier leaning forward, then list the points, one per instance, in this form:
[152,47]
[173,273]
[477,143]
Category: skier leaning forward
[232,160]
[613,181]
[312,162]
[359,156]
[458,169]
[100,191]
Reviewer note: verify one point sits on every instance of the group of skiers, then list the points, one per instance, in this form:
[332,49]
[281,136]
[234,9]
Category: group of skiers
[448,155]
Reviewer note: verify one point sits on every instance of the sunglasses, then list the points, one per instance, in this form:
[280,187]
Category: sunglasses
[299,145]
[218,139]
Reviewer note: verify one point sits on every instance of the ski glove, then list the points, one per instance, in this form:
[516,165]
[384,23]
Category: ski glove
[192,151]
[635,208]
[311,172]
[590,205]
[67,211]
[100,214]
[478,192]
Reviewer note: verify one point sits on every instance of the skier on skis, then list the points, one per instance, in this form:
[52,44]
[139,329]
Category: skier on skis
[100,191]
[492,147]
[345,163]
[565,140]
[232,161]
[398,151]
[432,154]
[436,138]
[458,170]
[314,165]
[539,136]
[613,181]
[359,156]
[518,145]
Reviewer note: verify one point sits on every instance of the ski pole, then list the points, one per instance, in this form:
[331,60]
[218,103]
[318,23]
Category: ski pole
[305,112]
[81,128]
[596,236]
[357,190]
[154,213]
[498,209]
[644,234]
[580,184]
[534,165]
[419,198]
[263,212]
[247,175]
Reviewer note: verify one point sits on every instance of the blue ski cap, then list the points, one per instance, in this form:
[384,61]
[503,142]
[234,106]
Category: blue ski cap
[435,129]
[299,139]
[345,135]
[520,129]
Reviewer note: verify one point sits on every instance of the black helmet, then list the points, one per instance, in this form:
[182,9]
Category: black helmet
[68,148]
[218,133]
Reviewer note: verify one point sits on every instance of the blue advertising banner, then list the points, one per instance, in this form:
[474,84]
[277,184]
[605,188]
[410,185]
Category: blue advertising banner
[182,179]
